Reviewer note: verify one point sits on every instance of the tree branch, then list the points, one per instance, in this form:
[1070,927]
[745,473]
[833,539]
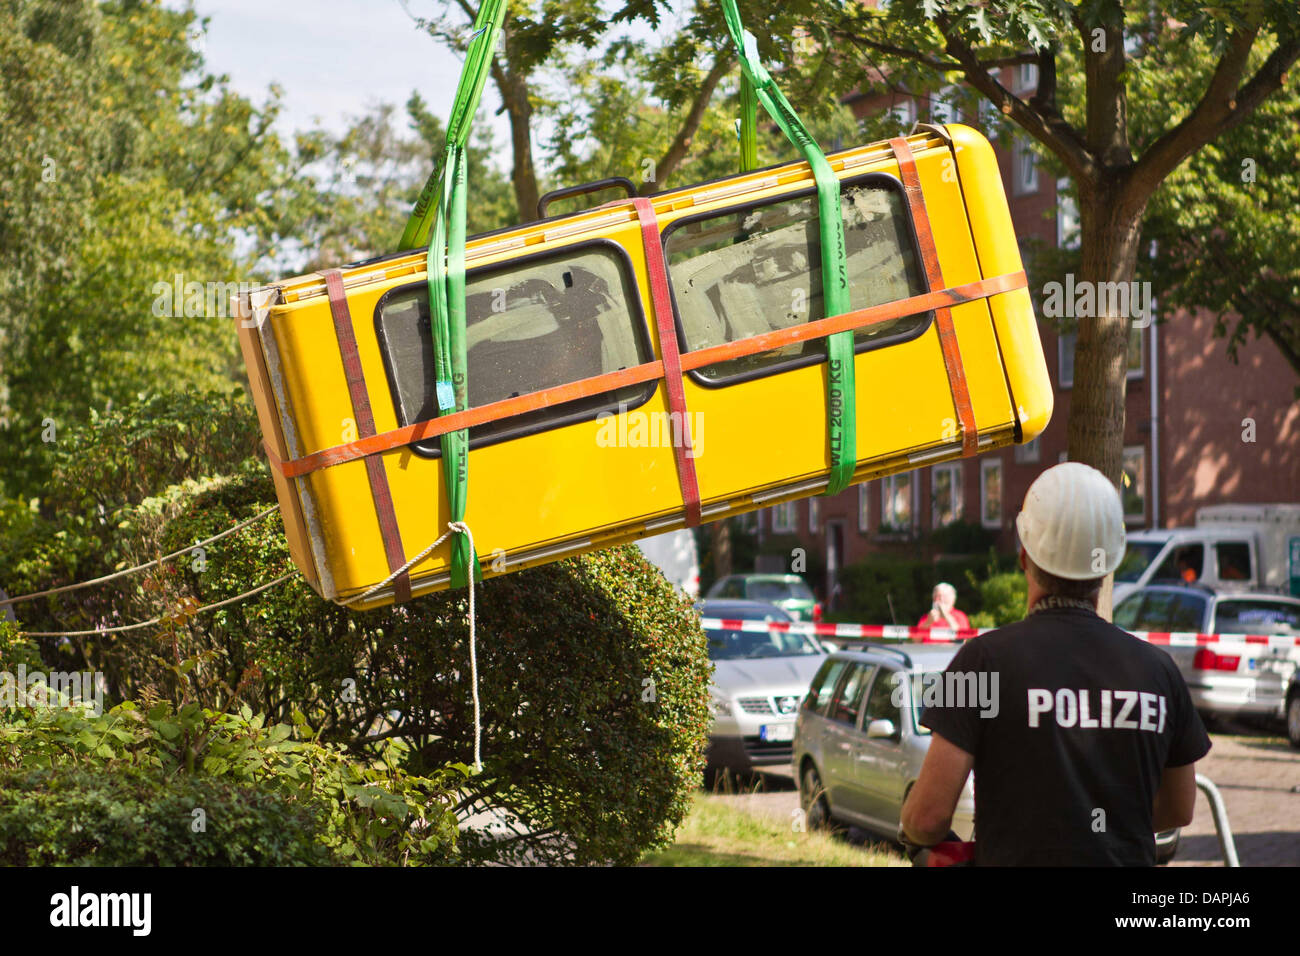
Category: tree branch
[1221,108]
[681,143]
[1048,127]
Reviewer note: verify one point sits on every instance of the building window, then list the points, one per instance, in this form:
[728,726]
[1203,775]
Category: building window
[783,517]
[991,492]
[1026,78]
[814,516]
[864,509]
[1133,483]
[1030,452]
[1025,166]
[989,116]
[905,112]
[1067,217]
[896,504]
[1065,345]
[943,106]
[1135,367]
[945,495]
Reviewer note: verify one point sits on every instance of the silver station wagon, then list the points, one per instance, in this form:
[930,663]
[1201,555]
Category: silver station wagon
[856,751]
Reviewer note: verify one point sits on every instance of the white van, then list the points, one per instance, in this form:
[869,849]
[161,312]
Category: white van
[1232,548]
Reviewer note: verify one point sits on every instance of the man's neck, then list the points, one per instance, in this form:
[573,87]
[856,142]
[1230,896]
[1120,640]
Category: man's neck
[1050,602]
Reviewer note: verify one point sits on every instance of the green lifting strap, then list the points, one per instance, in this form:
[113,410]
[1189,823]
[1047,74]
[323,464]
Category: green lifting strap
[441,209]
[841,387]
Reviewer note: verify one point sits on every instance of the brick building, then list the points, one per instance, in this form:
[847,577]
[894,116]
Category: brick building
[1198,429]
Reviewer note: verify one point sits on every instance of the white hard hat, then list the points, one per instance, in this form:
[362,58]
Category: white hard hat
[1072,523]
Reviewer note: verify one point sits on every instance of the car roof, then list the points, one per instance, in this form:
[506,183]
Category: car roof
[741,610]
[1208,592]
[916,657]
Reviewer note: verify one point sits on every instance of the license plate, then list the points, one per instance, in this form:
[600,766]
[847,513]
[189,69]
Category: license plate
[776,732]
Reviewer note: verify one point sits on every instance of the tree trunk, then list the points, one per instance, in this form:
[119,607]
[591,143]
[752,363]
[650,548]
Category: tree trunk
[721,548]
[1111,224]
[523,176]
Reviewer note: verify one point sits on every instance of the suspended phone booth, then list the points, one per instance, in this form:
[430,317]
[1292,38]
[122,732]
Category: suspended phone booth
[575,442]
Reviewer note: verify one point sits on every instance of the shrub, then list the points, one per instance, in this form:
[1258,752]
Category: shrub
[375,814]
[1003,597]
[593,671]
[72,817]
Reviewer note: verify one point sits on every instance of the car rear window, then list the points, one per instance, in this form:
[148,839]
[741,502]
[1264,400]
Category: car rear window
[778,590]
[1257,617]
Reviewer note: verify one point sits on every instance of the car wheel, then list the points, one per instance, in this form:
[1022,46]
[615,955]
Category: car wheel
[1293,720]
[812,797]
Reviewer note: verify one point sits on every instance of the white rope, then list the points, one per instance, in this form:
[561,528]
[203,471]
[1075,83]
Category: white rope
[139,567]
[463,528]
[155,620]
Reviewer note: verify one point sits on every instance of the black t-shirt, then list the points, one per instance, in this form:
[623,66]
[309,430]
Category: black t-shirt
[1088,717]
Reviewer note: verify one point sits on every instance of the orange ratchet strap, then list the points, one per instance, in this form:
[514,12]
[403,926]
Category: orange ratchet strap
[365,421]
[670,356]
[611,381]
[934,280]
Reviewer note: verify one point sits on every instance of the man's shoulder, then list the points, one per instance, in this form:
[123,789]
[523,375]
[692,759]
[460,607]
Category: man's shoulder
[1079,622]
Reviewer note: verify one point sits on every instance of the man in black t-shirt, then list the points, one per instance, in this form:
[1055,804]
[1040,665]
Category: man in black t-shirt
[1091,748]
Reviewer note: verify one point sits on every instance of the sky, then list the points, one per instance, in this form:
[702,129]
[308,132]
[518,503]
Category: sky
[333,58]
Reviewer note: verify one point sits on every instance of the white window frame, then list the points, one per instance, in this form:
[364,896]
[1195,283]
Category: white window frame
[1024,168]
[785,518]
[1060,358]
[887,484]
[905,112]
[1073,337]
[814,514]
[1141,369]
[943,106]
[1133,517]
[1026,77]
[955,470]
[1030,453]
[864,507]
[987,465]
[1067,217]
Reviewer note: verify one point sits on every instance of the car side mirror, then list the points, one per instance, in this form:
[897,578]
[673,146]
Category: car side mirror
[881,728]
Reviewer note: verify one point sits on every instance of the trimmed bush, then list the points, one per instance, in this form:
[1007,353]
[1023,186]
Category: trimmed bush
[70,817]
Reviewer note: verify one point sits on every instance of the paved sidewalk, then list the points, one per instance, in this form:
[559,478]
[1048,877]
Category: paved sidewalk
[1257,775]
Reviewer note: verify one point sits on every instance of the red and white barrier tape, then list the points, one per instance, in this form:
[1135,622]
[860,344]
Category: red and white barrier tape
[900,632]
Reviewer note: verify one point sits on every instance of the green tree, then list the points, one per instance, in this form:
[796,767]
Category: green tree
[1226,233]
[129,167]
[1201,68]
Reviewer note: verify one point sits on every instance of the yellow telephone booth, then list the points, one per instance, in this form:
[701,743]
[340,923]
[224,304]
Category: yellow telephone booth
[574,444]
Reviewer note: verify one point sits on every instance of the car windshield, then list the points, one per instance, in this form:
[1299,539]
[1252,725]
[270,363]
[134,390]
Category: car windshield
[727,645]
[779,591]
[1137,559]
[1257,617]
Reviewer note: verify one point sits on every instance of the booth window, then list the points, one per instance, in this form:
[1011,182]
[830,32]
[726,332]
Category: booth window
[530,324]
[757,269]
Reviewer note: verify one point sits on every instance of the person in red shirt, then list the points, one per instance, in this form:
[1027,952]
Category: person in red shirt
[943,612]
